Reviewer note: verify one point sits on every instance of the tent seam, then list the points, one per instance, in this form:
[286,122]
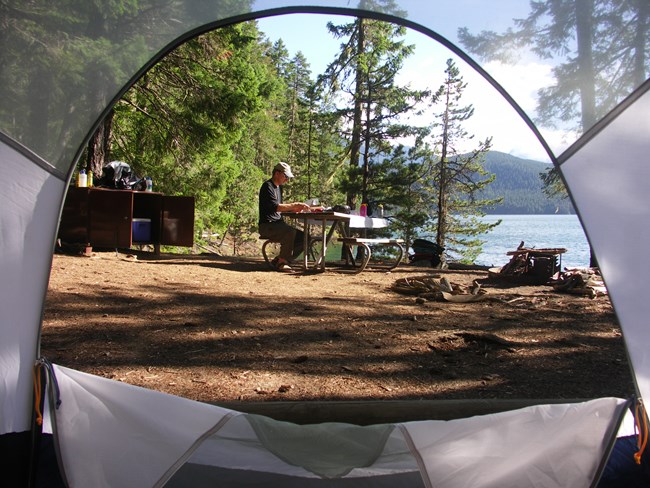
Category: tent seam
[53,394]
[32,156]
[195,445]
[416,454]
[610,437]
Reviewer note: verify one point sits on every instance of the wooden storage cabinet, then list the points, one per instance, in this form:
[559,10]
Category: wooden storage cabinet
[103,218]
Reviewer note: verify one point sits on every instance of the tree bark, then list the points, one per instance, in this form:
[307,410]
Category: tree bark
[586,74]
[642,8]
[355,144]
[98,153]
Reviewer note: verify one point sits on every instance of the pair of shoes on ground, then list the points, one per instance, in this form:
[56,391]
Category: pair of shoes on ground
[282,266]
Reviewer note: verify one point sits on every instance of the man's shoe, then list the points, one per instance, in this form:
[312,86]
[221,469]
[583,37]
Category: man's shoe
[284,267]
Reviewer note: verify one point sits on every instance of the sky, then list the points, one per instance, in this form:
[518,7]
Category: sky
[493,116]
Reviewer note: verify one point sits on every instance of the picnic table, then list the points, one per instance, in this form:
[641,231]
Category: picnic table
[329,222]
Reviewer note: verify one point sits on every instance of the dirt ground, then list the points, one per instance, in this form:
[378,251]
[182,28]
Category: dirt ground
[221,329]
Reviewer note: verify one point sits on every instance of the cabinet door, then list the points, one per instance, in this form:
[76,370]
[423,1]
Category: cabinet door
[110,218]
[177,226]
[73,226]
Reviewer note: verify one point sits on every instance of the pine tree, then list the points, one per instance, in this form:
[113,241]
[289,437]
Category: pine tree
[364,75]
[409,200]
[602,66]
[457,177]
[310,135]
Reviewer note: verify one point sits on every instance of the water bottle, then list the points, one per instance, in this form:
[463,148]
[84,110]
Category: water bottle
[149,182]
[363,211]
[82,179]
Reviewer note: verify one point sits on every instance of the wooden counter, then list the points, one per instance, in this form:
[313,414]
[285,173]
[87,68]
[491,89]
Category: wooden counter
[102,217]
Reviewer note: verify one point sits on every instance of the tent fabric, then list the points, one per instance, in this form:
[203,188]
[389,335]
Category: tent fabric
[109,434]
[115,434]
[29,201]
[329,450]
[112,434]
[546,445]
[92,83]
[609,182]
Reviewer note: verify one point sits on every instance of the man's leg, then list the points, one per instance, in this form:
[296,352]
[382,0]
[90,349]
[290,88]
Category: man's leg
[284,234]
[286,242]
[298,243]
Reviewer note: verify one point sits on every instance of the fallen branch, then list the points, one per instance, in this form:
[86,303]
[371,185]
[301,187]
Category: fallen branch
[439,289]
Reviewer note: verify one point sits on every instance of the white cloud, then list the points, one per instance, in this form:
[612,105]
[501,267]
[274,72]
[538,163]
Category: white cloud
[493,115]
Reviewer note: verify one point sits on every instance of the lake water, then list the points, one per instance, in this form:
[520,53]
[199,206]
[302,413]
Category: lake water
[536,231]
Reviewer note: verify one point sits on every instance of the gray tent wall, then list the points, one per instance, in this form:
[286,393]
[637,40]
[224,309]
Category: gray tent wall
[609,175]
[611,199]
[29,199]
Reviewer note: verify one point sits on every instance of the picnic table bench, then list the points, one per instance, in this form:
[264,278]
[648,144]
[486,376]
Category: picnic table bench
[365,243]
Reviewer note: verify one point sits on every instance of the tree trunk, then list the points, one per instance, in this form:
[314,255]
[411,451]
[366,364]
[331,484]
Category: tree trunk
[99,146]
[355,144]
[642,8]
[586,74]
[441,233]
[441,230]
[366,151]
[39,92]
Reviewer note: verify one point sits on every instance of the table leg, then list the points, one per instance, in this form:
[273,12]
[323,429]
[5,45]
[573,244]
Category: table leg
[305,246]
[324,245]
[327,237]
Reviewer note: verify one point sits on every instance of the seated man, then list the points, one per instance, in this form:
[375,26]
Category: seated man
[271,224]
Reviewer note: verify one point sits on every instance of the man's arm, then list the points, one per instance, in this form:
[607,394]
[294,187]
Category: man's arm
[292,207]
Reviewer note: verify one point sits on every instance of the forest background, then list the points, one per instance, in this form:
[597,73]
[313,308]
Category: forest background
[213,117]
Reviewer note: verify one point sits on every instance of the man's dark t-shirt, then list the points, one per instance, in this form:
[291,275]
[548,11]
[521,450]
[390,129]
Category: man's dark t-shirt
[270,198]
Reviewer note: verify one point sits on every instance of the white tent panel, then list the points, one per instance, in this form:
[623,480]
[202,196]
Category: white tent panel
[546,445]
[30,198]
[115,434]
[609,179]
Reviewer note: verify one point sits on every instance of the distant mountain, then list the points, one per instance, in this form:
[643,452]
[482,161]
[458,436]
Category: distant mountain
[518,182]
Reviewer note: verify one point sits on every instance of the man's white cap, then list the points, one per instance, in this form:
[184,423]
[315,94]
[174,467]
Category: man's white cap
[283,168]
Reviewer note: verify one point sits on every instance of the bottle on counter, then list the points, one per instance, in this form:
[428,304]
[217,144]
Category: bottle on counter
[149,183]
[90,179]
[363,210]
[82,179]
[380,209]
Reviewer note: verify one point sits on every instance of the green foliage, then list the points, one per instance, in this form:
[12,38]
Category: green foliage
[408,202]
[44,72]
[371,104]
[187,123]
[213,118]
[456,178]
